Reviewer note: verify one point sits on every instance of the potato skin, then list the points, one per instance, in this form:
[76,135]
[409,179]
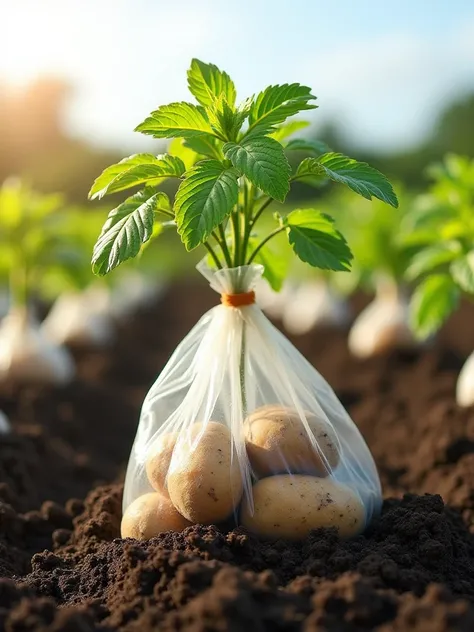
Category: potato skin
[150,515]
[277,442]
[158,461]
[205,482]
[290,506]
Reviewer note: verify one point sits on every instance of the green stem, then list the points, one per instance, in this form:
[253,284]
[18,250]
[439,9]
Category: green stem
[260,211]
[165,212]
[212,252]
[236,228]
[223,245]
[264,241]
[248,207]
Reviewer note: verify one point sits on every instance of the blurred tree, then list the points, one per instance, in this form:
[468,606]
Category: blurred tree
[454,131]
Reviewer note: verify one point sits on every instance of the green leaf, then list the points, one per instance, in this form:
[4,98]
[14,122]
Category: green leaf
[225,120]
[316,241]
[316,147]
[204,199]
[127,227]
[358,176]
[205,145]
[276,103]
[262,160]
[287,129]
[428,259]
[275,257]
[309,173]
[135,170]
[207,83]
[182,119]
[432,302]
[178,148]
[462,271]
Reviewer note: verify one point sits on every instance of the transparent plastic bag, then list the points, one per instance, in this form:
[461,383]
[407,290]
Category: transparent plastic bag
[239,426]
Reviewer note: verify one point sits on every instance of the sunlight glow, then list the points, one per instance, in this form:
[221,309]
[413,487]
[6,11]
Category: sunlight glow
[36,34]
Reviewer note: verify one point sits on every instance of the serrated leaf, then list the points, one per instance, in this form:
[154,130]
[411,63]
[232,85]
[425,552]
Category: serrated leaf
[428,259]
[285,130]
[127,227]
[225,120]
[316,241]
[432,302]
[204,199]
[207,83]
[181,119]
[358,176]
[462,271]
[310,173]
[276,103]
[275,257]
[178,147]
[315,147]
[136,170]
[262,160]
[205,145]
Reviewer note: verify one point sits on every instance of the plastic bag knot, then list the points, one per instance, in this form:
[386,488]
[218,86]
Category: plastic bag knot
[238,300]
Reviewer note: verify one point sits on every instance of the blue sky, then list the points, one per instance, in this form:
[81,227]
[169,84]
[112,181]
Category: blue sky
[381,68]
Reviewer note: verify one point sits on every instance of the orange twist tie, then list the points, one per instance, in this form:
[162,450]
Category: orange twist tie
[238,300]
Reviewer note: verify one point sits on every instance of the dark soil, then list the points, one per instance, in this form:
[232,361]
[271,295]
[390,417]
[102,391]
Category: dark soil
[65,567]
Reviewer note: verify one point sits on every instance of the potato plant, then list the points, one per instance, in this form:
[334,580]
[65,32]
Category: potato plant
[442,229]
[230,159]
[381,258]
[32,244]
[231,164]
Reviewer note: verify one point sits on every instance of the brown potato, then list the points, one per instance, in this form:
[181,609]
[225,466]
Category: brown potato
[158,461]
[150,515]
[277,442]
[205,481]
[290,506]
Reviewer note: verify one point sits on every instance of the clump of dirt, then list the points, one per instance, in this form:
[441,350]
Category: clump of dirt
[205,577]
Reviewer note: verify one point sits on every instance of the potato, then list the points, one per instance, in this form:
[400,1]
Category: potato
[150,515]
[277,442]
[290,506]
[158,461]
[205,481]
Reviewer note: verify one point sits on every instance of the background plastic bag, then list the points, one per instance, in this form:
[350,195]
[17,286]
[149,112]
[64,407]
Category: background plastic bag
[239,425]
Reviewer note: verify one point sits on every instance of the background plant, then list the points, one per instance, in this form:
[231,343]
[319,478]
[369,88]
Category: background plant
[441,226]
[376,235]
[37,240]
[232,166]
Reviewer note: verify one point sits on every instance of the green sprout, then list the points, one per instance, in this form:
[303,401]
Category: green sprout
[231,164]
[442,229]
[33,238]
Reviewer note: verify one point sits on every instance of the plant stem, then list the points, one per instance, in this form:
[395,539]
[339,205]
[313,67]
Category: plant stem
[262,243]
[260,210]
[223,245]
[211,251]
[236,228]
[248,207]
[165,212]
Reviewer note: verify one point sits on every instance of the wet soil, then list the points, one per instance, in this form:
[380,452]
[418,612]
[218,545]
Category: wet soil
[63,565]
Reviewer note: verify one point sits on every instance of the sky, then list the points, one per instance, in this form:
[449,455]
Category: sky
[381,68]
